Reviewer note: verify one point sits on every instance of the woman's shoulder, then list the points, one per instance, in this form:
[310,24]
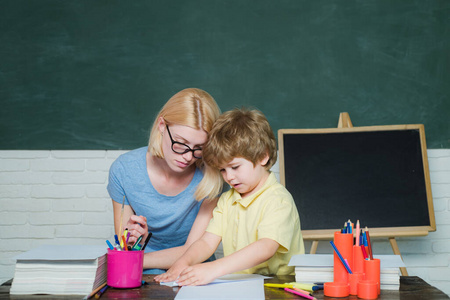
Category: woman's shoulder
[130,158]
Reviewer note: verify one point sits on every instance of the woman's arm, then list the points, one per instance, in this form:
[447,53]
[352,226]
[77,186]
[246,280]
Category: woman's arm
[164,259]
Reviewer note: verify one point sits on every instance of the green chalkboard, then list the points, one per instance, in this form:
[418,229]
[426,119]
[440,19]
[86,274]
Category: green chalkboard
[92,74]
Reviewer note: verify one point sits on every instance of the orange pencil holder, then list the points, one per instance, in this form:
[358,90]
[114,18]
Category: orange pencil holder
[367,289]
[344,243]
[340,286]
[353,280]
[372,271]
[358,260]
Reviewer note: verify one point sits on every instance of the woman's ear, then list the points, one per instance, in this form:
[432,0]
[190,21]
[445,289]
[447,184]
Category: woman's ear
[161,124]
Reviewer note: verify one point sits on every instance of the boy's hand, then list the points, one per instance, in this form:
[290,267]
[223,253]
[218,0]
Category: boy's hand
[198,274]
[173,273]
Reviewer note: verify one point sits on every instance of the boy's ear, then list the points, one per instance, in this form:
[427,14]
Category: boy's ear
[265,160]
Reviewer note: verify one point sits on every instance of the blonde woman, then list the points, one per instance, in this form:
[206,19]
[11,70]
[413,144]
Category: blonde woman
[165,187]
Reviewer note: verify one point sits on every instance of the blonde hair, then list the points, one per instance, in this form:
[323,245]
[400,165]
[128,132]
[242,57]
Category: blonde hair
[240,133]
[197,109]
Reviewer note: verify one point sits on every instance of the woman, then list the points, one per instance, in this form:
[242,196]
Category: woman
[165,188]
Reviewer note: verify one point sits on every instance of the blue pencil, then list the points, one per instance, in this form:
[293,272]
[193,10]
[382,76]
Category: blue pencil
[341,258]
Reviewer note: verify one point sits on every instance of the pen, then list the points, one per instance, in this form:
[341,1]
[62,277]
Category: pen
[137,242]
[128,235]
[109,245]
[340,257]
[146,241]
[124,244]
[116,238]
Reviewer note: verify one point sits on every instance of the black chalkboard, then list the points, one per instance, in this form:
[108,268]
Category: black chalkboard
[93,74]
[378,175]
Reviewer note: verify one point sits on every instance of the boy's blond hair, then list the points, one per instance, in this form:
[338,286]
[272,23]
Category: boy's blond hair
[197,109]
[240,133]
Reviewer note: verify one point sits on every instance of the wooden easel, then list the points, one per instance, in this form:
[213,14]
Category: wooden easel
[345,122]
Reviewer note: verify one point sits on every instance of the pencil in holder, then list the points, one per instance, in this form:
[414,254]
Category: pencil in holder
[125,268]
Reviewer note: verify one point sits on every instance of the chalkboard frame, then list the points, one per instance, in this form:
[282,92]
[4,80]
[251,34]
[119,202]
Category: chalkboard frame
[390,232]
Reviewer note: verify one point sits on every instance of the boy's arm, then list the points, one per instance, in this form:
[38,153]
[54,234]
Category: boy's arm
[198,252]
[248,257]
[164,259]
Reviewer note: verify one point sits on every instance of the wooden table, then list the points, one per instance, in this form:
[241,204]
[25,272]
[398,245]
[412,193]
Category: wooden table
[411,288]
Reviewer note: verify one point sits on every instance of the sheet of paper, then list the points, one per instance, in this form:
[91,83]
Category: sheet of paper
[326,260]
[228,289]
[226,278]
[63,252]
[313,260]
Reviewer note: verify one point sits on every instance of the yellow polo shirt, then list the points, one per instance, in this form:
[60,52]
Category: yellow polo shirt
[269,213]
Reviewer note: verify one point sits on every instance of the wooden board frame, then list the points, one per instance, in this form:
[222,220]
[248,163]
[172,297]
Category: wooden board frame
[388,232]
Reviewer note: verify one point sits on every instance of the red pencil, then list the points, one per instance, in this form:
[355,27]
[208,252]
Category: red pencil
[363,249]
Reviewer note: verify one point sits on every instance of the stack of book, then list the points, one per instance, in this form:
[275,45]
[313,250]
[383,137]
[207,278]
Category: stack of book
[312,268]
[61,270]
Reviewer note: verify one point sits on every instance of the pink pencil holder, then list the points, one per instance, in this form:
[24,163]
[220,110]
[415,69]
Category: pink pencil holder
[125,268]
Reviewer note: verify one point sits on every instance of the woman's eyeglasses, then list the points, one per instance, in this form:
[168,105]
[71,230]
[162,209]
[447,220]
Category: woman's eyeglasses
[181,148]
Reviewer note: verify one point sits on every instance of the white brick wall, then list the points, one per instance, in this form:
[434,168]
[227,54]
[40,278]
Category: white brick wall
[59,197]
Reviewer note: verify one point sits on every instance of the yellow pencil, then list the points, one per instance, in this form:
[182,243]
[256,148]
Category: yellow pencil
[303,286]
[121,218]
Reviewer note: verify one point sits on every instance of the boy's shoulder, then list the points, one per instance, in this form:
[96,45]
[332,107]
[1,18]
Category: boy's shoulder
[274,186]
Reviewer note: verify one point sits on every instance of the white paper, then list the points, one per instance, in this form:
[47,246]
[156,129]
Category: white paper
[226,278]
[326,260]
[227,289]
[312,260]
[63,252]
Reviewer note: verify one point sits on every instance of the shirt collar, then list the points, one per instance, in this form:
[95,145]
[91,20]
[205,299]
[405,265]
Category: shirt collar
[236,197]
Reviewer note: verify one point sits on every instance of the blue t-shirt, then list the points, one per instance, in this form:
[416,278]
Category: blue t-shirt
[169,218]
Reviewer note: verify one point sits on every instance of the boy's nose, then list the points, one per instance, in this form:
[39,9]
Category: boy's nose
[229,177]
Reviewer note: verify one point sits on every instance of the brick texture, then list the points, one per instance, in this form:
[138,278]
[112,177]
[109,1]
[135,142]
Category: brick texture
[59,197]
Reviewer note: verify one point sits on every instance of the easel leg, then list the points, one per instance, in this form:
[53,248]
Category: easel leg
[397,252]
[314,247]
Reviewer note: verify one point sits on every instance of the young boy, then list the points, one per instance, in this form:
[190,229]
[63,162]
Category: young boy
[256,220]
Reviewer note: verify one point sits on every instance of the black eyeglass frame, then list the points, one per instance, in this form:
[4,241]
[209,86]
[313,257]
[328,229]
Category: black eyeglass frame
[187,147]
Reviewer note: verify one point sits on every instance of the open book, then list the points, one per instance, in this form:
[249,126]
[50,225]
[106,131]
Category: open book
[60,269]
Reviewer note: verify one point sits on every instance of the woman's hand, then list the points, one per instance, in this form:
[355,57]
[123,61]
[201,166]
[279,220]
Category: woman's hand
[137,226]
